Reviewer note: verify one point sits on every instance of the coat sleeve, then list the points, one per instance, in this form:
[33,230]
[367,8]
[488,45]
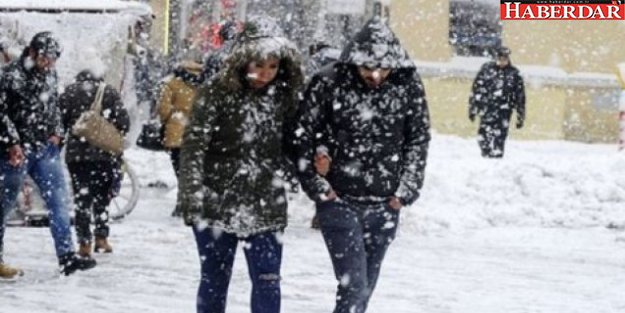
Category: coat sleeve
[416,141]
[118,115]
[478,93]
[312,120]
[520,100]
[55,121]
[165,103]
[8,132]
[65,106]
[197,136]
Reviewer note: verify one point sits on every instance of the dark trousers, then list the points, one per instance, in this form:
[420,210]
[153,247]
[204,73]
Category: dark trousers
[217,250]
[492,138]
[92,184]
[174,155]
[357,238]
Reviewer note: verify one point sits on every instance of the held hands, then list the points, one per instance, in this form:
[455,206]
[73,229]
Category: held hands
[395,203]
[16,155]
[329,196]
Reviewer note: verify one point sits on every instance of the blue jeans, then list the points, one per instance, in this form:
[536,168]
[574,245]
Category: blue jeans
[217,250]
[357,237]
[45,168]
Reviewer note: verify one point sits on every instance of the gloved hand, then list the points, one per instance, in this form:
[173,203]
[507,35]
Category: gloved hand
[472,117]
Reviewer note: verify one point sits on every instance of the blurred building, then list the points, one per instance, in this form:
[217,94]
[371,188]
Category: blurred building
[569,66]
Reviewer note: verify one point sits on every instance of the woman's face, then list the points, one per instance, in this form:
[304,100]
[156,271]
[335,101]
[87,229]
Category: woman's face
[261,73]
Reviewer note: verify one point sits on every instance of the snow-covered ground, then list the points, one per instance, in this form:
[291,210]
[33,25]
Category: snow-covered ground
[539,231]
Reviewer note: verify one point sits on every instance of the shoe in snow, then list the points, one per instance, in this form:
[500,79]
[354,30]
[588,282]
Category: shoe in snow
[71,263]
[9,272]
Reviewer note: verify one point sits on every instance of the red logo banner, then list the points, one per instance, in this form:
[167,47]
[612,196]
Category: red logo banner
[562,10]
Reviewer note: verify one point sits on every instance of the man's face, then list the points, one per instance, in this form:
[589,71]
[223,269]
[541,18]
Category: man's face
[261,73]
[373,77]
[43,63]
[503,61]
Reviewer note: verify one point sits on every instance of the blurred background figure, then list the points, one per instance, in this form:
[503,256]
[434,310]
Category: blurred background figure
[498,90]
[174,108]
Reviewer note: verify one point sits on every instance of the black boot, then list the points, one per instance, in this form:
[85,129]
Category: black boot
[70,263]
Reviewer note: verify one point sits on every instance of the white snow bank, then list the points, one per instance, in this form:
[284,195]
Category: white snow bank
[537,184]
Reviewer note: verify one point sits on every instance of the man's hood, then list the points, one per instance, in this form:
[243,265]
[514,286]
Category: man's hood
[376,46]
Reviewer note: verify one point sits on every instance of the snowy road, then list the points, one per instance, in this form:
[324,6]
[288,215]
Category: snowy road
[515,261]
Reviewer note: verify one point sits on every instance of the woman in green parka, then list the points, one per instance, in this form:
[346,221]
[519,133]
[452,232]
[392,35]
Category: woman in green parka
[233,160]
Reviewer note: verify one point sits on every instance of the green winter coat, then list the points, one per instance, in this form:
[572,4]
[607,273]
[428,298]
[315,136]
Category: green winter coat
[234,150]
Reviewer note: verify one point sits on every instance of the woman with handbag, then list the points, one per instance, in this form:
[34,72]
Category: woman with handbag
[233,153]
[94,167]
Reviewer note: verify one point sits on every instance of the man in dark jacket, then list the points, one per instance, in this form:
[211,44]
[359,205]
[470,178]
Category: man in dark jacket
[30,135]
[497,91]
[93,171]
[368,116]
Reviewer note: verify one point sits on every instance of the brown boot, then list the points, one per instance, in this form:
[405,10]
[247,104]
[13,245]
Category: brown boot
[102,244]
[84,250]
[8,272]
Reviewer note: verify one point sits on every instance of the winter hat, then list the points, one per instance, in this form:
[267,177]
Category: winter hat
[376,46]
[502,52]
[45,44]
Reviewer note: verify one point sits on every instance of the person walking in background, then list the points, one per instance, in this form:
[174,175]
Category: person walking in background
[93,171]
[233,153]
[363,141]
[320,54]
[174,108]
[498,89]
[215,60]
[30,136]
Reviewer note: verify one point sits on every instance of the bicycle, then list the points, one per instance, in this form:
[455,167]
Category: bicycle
[31,210]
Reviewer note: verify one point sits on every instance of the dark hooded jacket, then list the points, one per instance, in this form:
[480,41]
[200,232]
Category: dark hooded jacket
[234,148]
[77,99]
[29,112]
[377,137]
[497,91]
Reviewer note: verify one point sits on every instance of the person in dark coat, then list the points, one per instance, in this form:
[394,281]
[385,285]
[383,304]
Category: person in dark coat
[498,90]
[30,136]
[366,118]
[320,54]
[234,153]
[215,60]
[93,171]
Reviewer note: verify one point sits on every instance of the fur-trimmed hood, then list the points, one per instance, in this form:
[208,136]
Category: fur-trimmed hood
[259,40]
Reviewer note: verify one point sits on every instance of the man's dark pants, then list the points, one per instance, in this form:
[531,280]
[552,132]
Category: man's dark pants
[357,237]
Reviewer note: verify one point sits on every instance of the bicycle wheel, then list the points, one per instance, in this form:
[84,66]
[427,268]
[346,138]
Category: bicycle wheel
[125,202]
